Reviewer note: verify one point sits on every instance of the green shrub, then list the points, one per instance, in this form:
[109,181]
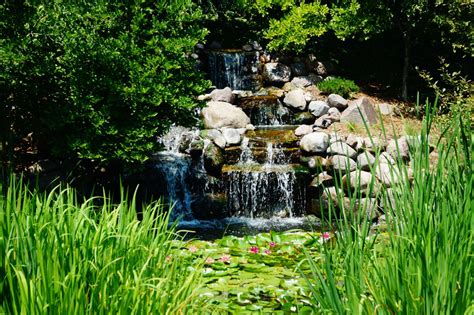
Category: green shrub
[339,86]
[59,255]
[98,79]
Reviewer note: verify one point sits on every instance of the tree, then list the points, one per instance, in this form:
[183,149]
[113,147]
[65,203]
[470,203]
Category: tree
[98,79]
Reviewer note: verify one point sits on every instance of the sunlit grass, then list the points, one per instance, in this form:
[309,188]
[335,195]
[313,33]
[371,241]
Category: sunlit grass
[61,255]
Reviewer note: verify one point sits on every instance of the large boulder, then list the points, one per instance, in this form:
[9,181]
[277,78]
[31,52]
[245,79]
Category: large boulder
[278,73]
[295,99]
[341,163]
[301,82]
[365,161]
[337,101]
[222,114]
[315,142]
[359,111]
[399,148]
[303,130]
[318,108]
[223,95]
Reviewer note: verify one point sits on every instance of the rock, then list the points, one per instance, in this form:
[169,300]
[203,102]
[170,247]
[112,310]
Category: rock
[303,118]
[332,195]
[204,97]
[216,136]
[315,142]
[303,130]
[223,95]
[298,69]
[353,140]
[386,159]
[337,101]
[301,82]
[232,136]
[295,99]
[341,148]
[288,86]
[399,148]
[386,109]
[314,78]
[247,47]
[213,159]
[256,45]
[369,206]
[373,144]
[341,163]
[314,91]
[358,180]
[322,180]
[274,72]
[365,161]
[359,111]
[222,114]
[249,127]
[199,46]
[320,69]
[316,163]
[387,174]
[242,93]
[318,108]
[197,147]
[334,114]
[335,137]
[323,122]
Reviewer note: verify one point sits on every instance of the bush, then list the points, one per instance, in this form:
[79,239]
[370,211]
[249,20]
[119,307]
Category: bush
[339,86]
[97,79]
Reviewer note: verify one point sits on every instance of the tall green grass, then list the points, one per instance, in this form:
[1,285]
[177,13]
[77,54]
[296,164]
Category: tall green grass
[60,255]
[422,262]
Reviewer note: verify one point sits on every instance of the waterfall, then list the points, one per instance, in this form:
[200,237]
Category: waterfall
[263,190]
[235,69]
[266,111]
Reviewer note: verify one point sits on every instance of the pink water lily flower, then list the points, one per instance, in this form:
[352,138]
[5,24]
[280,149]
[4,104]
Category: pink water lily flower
[326,236]
[193,249]
[209,260]
[168,258]
[272,244]
[267,252]
[254,250]
[225,259]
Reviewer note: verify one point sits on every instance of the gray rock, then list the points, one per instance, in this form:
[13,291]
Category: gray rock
[358,180]
[386,159]
[320,69]
[322,180]
[222,114]
[301,82]
[353,140]
[295,99]
[314,92]
[323,122]
[335,137]
[386,109]
[256,45]
[316,163]
[274,72]
[288,86]
[359,111]
[318,108]
[316,142]
[216,136]
[249,127]
[334,114]
[314,78]
[369,207]
[337,101]
[332,195]
[204,97]
[341,163]
[223,95]
[303,130]
[232,136]
[247,47]
[399,148]
[298,69]
[387,174]
[365,161]
[373,144]
[341,148]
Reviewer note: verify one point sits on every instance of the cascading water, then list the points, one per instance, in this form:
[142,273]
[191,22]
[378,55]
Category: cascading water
[266,111]
[263,190]
[235,69]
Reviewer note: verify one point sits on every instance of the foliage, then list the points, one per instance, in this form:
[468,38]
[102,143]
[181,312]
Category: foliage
[98,79]
[61,255]
[428,227]
[341,86]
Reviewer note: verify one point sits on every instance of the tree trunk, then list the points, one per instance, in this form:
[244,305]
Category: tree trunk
[406,64]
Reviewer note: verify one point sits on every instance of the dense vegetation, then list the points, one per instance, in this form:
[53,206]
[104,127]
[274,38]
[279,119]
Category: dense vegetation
[96,79]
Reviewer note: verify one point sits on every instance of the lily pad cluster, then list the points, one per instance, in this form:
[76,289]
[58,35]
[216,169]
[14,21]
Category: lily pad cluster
[261,273]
